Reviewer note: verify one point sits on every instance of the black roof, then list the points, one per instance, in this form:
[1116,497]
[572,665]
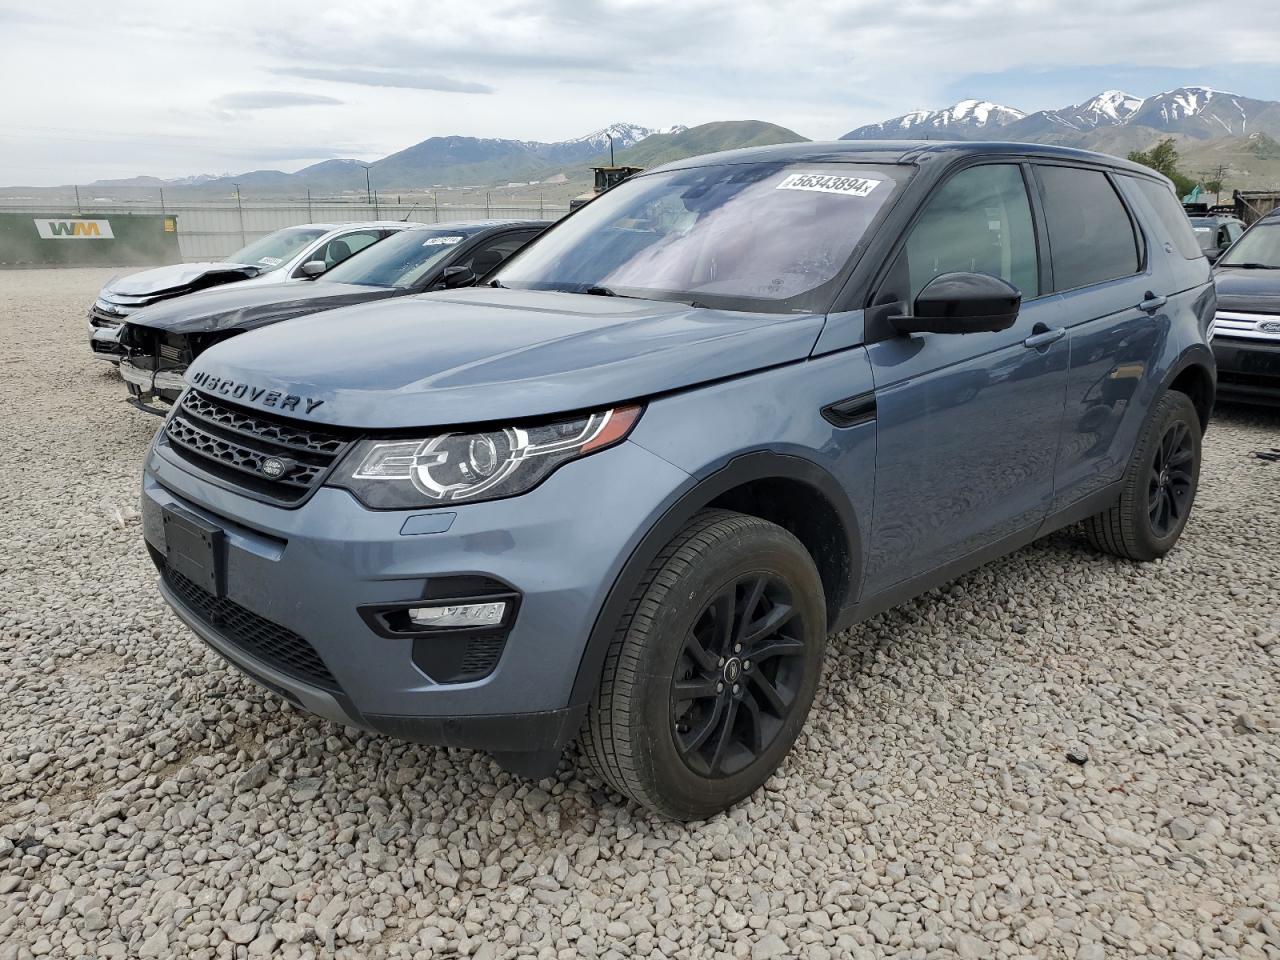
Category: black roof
[899,151]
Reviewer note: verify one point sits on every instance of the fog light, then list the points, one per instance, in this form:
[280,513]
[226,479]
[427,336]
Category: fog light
[460,615]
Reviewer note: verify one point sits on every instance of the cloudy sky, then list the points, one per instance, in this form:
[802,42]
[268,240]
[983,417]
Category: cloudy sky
[96,90]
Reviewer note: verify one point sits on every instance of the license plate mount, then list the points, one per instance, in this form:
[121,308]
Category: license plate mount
[196,549]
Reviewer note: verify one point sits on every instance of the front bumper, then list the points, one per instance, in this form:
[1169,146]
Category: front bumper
[310,569]
[104,340]
[1248,369]
[145,385]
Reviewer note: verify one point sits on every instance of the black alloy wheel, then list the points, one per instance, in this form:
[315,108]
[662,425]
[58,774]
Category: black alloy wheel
[1172,480]
[738,676]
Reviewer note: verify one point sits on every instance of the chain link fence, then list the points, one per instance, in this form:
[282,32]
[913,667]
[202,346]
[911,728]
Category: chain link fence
[213,230]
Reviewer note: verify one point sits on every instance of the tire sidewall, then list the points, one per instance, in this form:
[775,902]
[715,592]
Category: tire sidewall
[763,550]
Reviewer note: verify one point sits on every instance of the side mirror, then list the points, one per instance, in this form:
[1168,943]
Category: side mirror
[313,268]
[962,303]
[454,277]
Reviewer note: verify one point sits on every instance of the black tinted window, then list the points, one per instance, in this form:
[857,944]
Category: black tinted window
[1173,222]
[1091,238]
[979,221]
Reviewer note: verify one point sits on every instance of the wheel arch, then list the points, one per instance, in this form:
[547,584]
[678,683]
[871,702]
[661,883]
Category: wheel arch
[796,493]
[1195,374]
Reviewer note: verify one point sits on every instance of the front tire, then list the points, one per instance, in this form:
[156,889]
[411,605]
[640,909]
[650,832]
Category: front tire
[1159,485]
[712,669]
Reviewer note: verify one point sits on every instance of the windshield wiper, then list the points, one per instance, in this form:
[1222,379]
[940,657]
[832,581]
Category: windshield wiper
[495,282]
[598,291]
[1253,266]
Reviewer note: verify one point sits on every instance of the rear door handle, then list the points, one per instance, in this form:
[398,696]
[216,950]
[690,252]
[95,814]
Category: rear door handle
[1152,303]
[1043,336]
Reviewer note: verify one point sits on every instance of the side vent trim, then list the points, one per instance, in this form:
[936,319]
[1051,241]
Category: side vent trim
[852,411]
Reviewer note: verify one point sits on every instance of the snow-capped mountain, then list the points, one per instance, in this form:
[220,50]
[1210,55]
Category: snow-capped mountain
[1202,112]
[1195,111]
[596,142]
[963,119]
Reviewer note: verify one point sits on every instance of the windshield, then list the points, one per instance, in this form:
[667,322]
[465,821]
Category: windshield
[276,249]
[772,237]
[399,261]
[1259,247]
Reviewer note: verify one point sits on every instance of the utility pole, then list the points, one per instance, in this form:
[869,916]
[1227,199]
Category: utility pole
[78,210]
[368,190]
[240,209]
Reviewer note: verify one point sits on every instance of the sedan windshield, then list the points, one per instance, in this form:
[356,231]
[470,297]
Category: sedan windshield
[399,261]
[276,249]
[770,237]
[1258,248]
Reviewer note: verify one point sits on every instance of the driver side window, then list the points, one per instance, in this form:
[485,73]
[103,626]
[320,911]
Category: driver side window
[979,221]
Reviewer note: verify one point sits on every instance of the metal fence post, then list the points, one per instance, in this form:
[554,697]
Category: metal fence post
[310,219]
[486,205]
[240,208]
[540,216]
[377,214]
[435,199]
[78,210]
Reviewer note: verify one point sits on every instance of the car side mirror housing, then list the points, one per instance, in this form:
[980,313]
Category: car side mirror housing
[454,277]
[313,268]
[962,303]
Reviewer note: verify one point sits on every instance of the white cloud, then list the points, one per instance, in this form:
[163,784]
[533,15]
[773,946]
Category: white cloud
[153,74]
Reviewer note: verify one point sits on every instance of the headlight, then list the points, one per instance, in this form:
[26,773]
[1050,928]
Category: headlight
[467,467]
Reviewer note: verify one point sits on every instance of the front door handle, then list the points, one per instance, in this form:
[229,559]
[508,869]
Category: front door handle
[1042,336]
[1151,303]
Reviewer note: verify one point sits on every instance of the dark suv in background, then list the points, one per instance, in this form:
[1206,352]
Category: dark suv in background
[1246,337]
[624,493]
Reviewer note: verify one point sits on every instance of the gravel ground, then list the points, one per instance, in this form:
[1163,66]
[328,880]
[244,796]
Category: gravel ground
[1061,755]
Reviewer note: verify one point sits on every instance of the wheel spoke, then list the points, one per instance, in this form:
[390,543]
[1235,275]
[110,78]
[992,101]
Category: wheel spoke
[685,690]
[1179,458]
[1163,519]
[690,744]
[779,646]
[751,711]
[724,613]
[771,622]
[704,658]
[769,694]
[726,736]
[746,618]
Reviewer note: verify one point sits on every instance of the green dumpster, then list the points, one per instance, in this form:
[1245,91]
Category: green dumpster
[88,239]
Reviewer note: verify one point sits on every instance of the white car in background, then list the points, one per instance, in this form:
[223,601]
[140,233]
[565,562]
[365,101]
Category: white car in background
[292,254]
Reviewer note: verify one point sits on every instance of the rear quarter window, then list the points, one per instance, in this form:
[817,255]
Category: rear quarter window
[1173,222]
[1091,238]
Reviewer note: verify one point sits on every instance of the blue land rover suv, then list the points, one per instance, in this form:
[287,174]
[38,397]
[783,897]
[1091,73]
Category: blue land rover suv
[622,493]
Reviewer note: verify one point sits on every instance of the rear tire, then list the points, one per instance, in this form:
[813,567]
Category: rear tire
[684,721]
[1159,485]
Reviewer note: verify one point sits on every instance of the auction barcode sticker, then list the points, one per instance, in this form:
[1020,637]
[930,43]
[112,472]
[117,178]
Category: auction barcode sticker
[827,183]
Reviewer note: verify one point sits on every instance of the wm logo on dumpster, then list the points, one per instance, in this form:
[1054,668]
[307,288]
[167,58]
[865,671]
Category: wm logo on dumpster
[74,229]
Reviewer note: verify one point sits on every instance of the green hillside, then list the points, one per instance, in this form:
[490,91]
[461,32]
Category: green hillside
[708,138]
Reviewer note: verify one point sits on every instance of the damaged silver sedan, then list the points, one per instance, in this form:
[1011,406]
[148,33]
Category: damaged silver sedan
[293,254]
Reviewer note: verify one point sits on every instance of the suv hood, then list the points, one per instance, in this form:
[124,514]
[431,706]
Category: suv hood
[491,354]
[1250,290]
[178,278]
[245,306]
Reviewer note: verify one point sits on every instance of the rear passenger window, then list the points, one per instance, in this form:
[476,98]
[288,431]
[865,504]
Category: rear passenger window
[1091,237]
[979,221]
[1173,221]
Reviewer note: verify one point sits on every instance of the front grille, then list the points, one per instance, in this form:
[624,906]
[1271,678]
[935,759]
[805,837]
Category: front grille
[257,636]
[1247,326]
[233,445]
[482,656]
